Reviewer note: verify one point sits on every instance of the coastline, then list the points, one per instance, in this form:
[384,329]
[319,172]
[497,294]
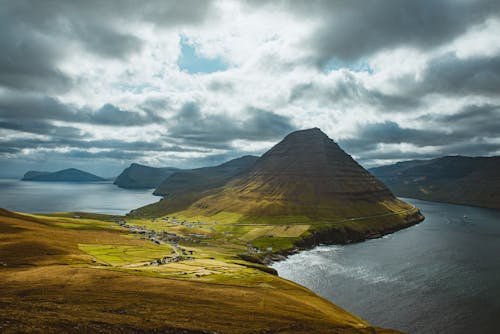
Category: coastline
[340,236]
[81,253]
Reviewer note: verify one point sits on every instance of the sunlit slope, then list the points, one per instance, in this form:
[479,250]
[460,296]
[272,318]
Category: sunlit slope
[64,274]
[201,179]
[306,177]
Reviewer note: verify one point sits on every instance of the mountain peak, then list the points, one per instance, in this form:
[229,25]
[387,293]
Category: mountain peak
[306,176]
[305,172]
[305,152]
[307,133]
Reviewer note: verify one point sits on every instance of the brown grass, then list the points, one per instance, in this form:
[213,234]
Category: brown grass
[49,285]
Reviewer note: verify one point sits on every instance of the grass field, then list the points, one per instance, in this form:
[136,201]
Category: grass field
[89,274]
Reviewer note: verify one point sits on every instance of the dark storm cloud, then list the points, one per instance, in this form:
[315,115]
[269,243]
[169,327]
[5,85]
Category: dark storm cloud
[448,135]
[369,136]
[197,128]
[26,109]
[350,30]
[106,42]
[110,147]
[475,120]
[28,60]
[43,128]
[449,74]
[35,35]
[112,115]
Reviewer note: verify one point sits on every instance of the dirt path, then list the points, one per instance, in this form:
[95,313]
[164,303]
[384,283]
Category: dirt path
[324,223]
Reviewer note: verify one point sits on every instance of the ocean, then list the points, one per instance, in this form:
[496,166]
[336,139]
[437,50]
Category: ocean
[47,197]
[440,276]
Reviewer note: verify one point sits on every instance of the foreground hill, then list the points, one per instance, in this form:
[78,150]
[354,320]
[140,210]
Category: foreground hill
[138,176]
[65,175]
[308,179]
[452,179]
[100,274]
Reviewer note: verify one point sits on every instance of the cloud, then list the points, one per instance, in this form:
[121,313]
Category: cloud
[37,36]
[99,82]
[449,135]
[196,128]
[29,60]
[43,128]
[24,109]
[350,30]
[369,136]
[473,120]
[350,89]
[104,41]
[448,74]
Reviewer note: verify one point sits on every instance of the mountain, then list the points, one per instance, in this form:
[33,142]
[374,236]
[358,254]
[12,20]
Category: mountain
[143,177]
[204,178]
[453,179]
[65,175]
[306,177]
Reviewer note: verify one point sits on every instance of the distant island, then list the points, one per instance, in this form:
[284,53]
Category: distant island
[138,176]
[65,175]
[452,179]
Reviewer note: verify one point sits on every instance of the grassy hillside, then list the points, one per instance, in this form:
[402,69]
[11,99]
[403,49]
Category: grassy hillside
[138,176]
[305,179]
[100,273]
[205,178]
[453,179]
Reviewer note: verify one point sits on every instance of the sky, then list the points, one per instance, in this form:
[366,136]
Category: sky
[98,85]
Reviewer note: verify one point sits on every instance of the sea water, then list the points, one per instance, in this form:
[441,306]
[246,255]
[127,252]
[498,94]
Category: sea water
[440,276]
[46,197]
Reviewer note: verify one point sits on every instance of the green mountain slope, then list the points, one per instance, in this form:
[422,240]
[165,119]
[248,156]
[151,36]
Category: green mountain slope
[65,175]
[138,176]
[184,187]
[204,178]
[453,179]
[306,178]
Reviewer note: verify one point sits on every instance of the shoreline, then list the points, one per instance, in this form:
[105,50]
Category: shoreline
[334,236]
[87,250]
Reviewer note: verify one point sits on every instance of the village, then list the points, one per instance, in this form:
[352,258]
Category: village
[174,240]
